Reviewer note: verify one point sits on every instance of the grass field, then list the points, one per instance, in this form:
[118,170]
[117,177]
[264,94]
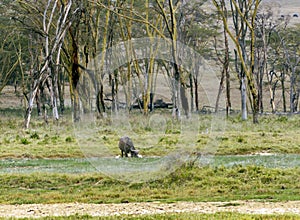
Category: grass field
[186,184]
[274,134]
[46,164]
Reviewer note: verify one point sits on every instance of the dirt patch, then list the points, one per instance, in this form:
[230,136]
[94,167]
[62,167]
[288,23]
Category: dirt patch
[249,207]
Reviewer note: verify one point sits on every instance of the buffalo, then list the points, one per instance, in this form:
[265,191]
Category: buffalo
[126,146]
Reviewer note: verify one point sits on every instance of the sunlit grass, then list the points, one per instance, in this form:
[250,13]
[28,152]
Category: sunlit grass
[53,140]
[194,181]
[62,139]
[199,184]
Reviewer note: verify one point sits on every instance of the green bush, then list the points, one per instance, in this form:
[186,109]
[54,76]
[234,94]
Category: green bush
[35,136]
[69,139]
[24,141]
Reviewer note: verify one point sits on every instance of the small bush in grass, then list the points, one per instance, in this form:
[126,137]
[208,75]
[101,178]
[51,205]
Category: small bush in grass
[6,140]
[240,140]
[173,131]
[24,141]
[18,137]
[168,140]
[12,124]
[69,139]
[222,138]
[35,136]
[282,119]
[54,139]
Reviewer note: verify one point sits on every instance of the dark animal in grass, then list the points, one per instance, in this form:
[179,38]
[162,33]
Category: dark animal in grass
[126,146]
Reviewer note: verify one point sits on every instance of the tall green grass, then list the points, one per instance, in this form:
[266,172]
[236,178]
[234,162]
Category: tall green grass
[189,183]
[274,134]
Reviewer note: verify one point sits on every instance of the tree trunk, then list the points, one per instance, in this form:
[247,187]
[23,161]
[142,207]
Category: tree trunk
[76,105]
[244,99]
[39,102]
[61,92]
[228,97]
[53,96]
[292,91]
[255,113]
[260,90]
[176,91]
[113,93]
[75,74]
[30,104]
[100,101]
[196,94]
[191,92]
[227,75]
[282,78]
[272,92]
[297,99]
[27,117]
[146,92]
[184,101]
[221,87]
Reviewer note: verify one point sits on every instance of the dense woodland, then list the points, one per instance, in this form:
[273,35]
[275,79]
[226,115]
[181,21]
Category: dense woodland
[47,45]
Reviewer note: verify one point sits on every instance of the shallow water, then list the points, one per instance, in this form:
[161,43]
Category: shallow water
[268,161]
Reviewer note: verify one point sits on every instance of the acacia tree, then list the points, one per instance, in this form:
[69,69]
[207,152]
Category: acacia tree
[171,20]
[284,63]
[145,70]
[52,50]
[244,15]
[10,39]
[197,28]
[224,60]
[50,20]
[119,16]
[291,50]
[268,22]
[9,62]
[86,41]
[164,17]
[99,70]
[278,70]
[168,10]
[148,92]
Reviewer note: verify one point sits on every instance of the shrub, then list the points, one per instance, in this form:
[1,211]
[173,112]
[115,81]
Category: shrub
[240,139]
[35,136]
[24,141]
[69,139]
